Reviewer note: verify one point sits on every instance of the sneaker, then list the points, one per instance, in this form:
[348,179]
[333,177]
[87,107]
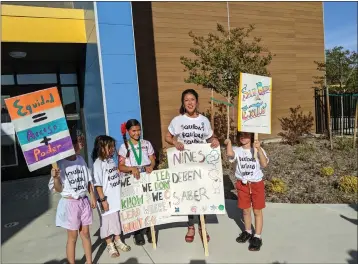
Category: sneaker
[139,239]
[244,237]
[255,244]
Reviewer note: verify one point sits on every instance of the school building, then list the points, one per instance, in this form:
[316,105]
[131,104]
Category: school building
[113,61]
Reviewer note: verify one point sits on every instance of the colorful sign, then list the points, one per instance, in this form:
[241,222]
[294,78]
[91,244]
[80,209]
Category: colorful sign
[255,104]
[146,202]
[41,127]
[196,180]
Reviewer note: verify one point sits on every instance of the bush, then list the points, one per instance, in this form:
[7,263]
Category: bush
[327,171]
[295,126]
[163,160]
[277,186]
[343,143]
[303,151]
[348,184]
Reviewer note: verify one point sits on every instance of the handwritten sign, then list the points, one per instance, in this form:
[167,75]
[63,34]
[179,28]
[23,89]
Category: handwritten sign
[41,127]
[146,202]
[254,106]
[196,180]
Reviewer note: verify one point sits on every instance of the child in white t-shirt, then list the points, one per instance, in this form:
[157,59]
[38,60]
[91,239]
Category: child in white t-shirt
[72,180]
[135,156]
[250,186]
[108,187]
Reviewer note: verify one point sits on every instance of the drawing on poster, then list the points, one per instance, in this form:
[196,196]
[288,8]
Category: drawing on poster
[196,180]
[41,127]
[254,104]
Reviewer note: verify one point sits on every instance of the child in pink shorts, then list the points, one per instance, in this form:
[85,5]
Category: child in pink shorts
[108,187]
[72,180]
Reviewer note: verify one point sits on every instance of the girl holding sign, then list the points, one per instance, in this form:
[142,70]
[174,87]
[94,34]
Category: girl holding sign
[190,127]
[250,186]
[135,156]
[72,180]
[108,187]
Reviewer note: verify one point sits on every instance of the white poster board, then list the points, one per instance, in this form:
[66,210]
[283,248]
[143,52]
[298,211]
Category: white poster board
[146,202]
[196,180]
[254,104]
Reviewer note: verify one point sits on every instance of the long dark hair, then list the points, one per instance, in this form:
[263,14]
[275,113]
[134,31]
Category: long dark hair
[188,91]
[130,123]
[99,143]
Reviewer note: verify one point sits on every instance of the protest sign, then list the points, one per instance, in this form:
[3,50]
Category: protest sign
[41,127]
[196,180]
[254,104]
[146,202]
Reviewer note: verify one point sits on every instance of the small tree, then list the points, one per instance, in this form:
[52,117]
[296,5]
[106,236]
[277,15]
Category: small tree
[220,58]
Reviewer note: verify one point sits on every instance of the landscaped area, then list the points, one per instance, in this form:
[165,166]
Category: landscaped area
[309,172]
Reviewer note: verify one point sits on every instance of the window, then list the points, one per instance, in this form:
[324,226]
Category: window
[7,80]
[8,145]
[37,78]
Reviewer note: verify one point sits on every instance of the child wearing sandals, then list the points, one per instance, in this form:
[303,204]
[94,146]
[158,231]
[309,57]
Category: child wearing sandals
[108,187]
[250,186]
[72,180]
[135,156]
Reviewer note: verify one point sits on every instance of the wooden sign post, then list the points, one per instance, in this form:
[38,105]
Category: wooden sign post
[204,235]
[154,239]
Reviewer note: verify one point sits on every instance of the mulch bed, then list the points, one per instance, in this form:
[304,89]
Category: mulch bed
[299,167]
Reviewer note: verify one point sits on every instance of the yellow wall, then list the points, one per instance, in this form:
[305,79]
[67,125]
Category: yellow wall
[42,24]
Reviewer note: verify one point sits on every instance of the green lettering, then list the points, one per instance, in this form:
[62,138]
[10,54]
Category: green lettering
[19,108]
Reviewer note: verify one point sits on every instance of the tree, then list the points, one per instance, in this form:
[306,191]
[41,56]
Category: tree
[340,73]
[219,59]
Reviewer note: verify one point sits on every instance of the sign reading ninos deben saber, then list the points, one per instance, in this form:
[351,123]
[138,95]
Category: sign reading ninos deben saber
[41,127]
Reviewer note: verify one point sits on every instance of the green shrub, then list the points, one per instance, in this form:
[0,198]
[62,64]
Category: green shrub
[348,184]
[277,186]
[327,171]
[303,151]
[343,143]
[163,160]
[295,126]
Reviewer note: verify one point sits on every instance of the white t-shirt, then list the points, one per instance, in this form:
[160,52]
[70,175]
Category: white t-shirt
[247,168]
[74,176]
[147,150]
[191,130]
[106,175]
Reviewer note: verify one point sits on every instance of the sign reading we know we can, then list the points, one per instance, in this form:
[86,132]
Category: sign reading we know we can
[41,127]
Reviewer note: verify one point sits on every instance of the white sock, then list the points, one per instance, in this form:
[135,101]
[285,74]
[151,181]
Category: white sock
[249,231]
[258,236]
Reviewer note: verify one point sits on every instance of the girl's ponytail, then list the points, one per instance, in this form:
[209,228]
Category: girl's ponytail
[124,134]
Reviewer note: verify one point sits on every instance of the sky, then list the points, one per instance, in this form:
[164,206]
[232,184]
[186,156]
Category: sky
[340,24]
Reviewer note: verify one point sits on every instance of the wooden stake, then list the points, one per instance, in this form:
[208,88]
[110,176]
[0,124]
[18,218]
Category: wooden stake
[203,233]
[154,239]
[256,137]
[329,117]
[355,126]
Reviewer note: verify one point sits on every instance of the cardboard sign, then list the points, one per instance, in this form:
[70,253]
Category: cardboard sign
[41,127]
[146,202]
[254,104]
[196,180]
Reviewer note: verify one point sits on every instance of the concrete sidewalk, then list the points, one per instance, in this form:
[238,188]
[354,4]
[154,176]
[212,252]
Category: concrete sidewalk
[292,234]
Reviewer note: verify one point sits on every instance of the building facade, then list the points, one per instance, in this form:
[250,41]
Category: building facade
[113,61]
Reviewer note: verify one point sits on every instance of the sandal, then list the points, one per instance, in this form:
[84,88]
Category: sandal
[207,235]
[112,251]
[189,238]
[121,246]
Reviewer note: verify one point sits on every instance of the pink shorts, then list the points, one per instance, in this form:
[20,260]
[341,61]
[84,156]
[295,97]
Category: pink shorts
[72,214]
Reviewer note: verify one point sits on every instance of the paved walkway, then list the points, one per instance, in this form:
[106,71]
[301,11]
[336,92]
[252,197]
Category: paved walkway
[292,234]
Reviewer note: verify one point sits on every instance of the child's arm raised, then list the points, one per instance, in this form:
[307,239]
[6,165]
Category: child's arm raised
[261,154]
[229,151]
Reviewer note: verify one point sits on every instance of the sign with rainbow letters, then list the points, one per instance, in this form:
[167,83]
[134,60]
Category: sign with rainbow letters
[41,127]
[254,104]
